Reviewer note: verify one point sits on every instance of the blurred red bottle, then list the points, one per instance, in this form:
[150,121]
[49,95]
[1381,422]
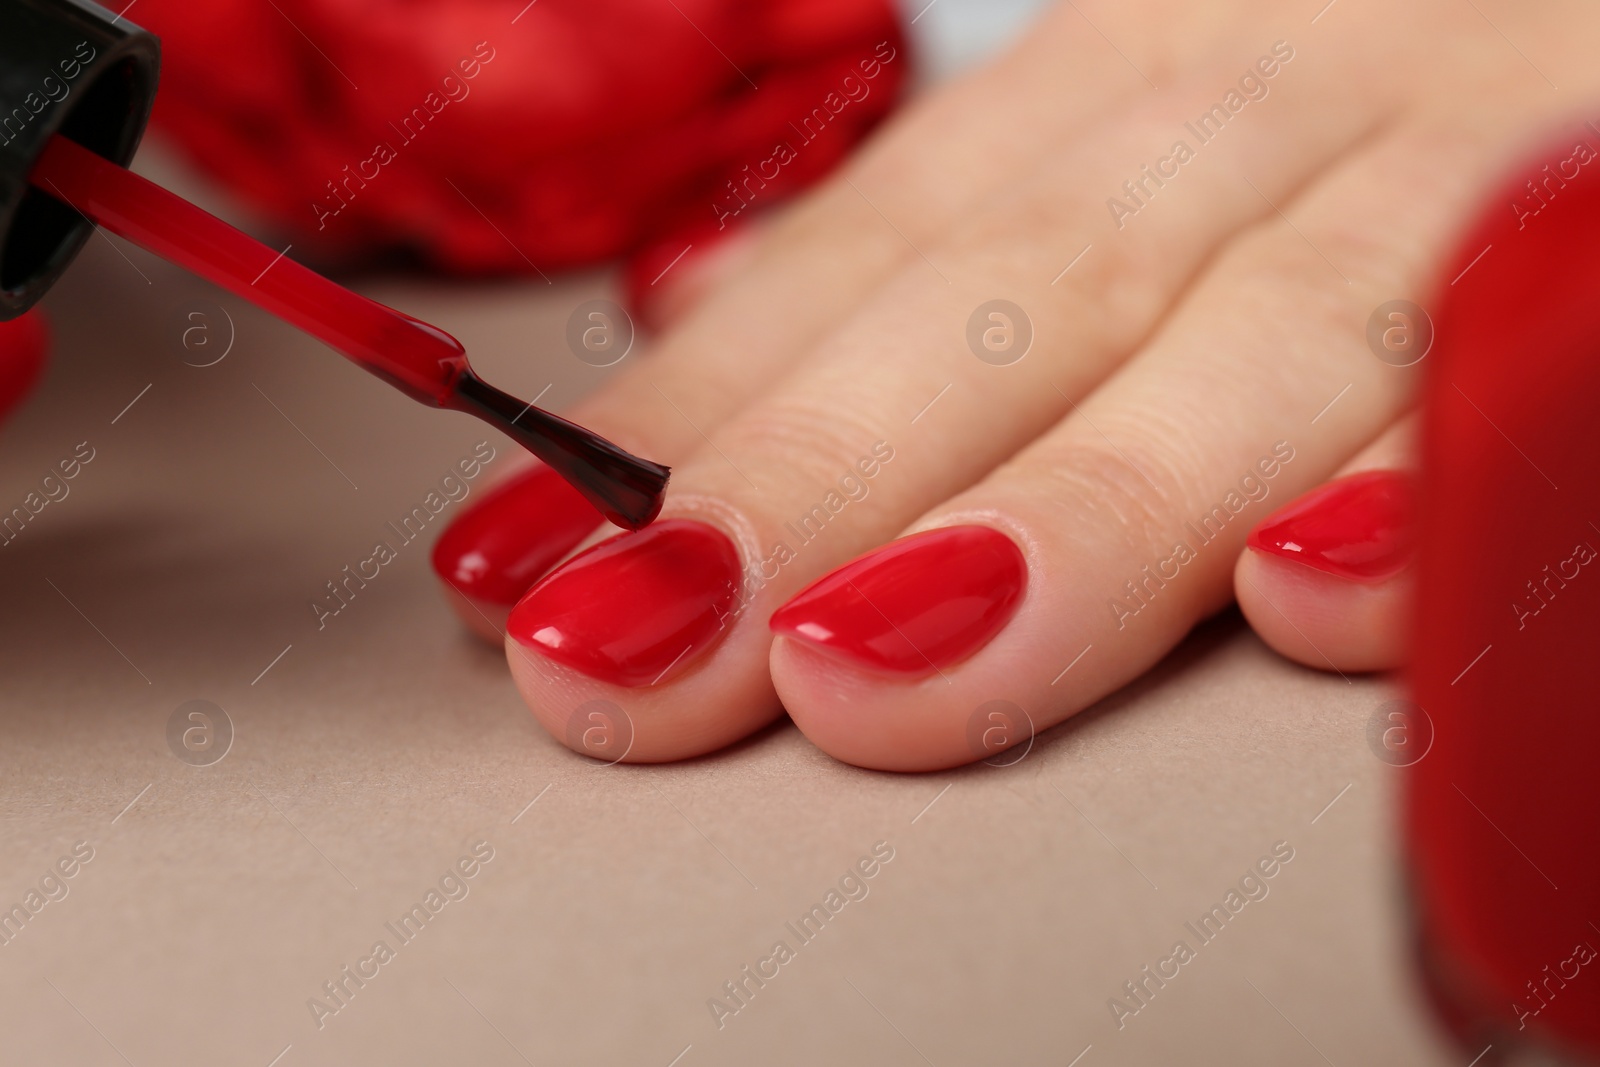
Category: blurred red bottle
[1502,815]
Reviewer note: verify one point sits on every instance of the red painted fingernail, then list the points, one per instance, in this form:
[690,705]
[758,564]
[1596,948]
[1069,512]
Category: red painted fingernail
[24,342]
[1360,527]
[504,542]
[633,608]
[915,605]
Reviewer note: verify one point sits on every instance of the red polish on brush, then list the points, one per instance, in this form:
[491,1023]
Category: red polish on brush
[418,359]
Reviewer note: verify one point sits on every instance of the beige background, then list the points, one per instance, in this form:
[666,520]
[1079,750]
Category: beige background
[372,754]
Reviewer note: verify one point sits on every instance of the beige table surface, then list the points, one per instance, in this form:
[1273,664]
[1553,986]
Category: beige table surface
[374,753]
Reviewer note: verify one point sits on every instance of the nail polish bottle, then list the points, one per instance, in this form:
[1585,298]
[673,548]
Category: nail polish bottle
[1502,810]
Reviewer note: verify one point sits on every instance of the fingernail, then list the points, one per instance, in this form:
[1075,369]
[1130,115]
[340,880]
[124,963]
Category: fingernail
[1360,527]
[631,609]
[505,541]
[915,605]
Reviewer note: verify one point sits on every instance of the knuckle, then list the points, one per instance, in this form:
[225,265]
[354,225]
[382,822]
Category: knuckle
[801,441]
[1115,288]
[1133,491]
[1274,271]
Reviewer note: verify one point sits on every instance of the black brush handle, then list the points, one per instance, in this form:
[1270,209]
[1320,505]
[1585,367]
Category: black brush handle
[69,67]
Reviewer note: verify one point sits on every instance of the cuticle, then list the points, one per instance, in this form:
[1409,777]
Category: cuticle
[729,521]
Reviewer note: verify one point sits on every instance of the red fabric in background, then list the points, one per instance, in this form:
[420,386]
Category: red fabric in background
[597,128]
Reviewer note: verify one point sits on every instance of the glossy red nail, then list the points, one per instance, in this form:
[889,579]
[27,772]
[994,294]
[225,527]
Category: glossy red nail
[915,605]
[1361,527]
[633,608]
[506,540]
[23,343]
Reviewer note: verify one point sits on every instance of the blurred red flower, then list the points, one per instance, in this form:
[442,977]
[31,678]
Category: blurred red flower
[501,135]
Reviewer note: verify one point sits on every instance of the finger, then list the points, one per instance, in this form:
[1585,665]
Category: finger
[1326,580]
[1128,513]
[811,267]
[505,541]
[24,344]
[774,483]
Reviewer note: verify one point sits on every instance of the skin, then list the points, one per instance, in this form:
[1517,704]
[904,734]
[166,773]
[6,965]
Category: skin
[1215,322]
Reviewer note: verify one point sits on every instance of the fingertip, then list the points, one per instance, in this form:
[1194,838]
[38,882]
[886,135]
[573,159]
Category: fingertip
[830,703]
[640,638]
[1322,620]
[1326,579]
[867,719]
[862,654]
[505,541]
[680,719]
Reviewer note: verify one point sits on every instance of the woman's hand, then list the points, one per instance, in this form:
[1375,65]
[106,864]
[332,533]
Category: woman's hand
[1050,352]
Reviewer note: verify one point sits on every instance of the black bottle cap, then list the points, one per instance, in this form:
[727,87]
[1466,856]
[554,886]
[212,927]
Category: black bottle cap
[68,67]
